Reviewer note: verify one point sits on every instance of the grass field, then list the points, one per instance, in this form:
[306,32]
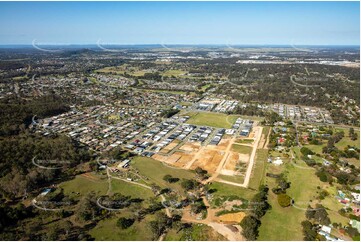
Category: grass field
[108,230]
[258,172]
[244,141]
[286,222]
[156,170]
[235,178]
[218,120]
[347,140]
[84,185]
[125,188]
[242,149]
[225,190]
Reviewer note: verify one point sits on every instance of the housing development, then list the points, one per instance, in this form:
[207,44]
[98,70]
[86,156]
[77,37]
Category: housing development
[179,142]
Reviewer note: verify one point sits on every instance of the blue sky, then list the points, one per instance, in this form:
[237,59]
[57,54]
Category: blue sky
[258,23]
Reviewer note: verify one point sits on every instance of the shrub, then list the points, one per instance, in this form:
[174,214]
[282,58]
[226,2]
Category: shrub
[284,200]
[125,223]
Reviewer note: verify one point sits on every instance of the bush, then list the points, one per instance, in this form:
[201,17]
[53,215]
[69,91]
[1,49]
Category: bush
[125,223]
[284,200]
[306,151]
[322,175]
[250,226]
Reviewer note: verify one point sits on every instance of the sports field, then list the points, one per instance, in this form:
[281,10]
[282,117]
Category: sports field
[217,120]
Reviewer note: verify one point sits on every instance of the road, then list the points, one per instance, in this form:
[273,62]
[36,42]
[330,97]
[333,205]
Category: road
[250,165]
[211,220]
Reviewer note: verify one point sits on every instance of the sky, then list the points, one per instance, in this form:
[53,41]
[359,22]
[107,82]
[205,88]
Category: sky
[230,23]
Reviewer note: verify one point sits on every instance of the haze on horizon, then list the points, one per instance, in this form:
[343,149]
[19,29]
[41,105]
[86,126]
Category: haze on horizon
[191,23]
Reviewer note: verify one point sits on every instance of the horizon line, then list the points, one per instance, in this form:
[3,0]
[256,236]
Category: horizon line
[180,44]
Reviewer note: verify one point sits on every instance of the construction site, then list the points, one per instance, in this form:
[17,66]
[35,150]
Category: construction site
[232,157]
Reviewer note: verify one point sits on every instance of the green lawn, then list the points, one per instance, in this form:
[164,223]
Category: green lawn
[236,179]
[218,120]
[126,188]
[315,148]
[84,186]
[108,230]
[155,171]
[285,223]
[242,149]
[258,172]
[244,141]
[347,141]
[222,190]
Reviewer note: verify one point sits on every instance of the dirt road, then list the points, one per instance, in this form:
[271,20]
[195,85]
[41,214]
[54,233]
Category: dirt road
[250,165]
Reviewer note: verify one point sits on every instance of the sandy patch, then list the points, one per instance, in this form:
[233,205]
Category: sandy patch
[190,147]
[232,217]
[170,147]
[209,160]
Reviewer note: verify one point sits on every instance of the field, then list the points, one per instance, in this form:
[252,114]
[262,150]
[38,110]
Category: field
[286,222]
[242,149]
[234,178]
[218,120]
[224,190]
[108,230]
[125,188]
[347,140]
[258,172]
[84,184]
[156,170]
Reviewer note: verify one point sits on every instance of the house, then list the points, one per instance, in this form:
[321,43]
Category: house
[356,211]
[326,229]
[278,161]
[355,224]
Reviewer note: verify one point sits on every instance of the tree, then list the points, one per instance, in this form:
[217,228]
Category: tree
[189,184]
[284,200]
[87,208]
[259,202]
[125,223]
[306,151]
[321,215]
[170,179]
[159,225]
[310,213]
[250,226]
[352,231]
[308,230]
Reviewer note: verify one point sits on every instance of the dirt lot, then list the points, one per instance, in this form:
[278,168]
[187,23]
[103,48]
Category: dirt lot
[209,160]
[170,147]
[231,218]
[178,159]
[190,147]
